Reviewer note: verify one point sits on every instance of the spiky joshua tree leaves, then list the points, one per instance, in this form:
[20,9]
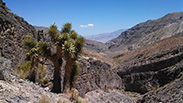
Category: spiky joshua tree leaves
[68,46]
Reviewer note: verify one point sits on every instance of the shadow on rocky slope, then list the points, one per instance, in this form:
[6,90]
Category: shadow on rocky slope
[145,73]
[169,93]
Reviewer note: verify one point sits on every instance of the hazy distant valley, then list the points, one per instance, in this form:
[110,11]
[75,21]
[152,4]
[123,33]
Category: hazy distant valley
[105,37]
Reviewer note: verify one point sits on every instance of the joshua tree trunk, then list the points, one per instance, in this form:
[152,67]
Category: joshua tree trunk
[34,65]
[67,77]
[33,76]
[57,76]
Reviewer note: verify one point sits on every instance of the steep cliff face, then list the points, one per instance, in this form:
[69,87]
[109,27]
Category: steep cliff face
[148,32]
[12,30]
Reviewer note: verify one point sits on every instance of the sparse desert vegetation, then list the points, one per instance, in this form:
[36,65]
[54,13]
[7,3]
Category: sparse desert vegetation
[38,64]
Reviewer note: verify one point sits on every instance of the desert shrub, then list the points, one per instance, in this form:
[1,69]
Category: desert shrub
[61,101]
[105,90]
[24,71]
[44,99]
[26,66]
[42,78]
[181,78]
[45,80]
[81,100]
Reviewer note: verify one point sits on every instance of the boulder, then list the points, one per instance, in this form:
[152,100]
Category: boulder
[5,69]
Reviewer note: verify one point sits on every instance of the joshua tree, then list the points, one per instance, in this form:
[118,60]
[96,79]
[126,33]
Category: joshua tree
[31,56]
[68,46]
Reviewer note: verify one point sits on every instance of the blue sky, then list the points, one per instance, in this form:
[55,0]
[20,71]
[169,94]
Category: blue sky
[92,16]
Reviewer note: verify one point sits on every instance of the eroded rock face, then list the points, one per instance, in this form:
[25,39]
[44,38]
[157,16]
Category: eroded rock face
[12,31]
[95,74]
[158,71]
[170,93]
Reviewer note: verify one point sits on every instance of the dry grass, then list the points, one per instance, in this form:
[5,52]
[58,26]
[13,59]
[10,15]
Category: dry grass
[81,100]
[61,101]
[23,70]
[44,99]
[22,74]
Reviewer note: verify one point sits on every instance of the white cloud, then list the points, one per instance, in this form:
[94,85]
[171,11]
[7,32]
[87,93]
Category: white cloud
[85,26]
[90,25]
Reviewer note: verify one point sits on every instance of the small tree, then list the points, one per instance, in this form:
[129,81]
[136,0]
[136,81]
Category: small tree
[68,46]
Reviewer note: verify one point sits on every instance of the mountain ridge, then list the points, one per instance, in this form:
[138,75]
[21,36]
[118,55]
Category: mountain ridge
[148,32]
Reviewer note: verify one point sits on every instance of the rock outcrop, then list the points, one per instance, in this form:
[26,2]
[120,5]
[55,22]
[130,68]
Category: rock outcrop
[12,31]
[94,75]
[5,70]
[20,91]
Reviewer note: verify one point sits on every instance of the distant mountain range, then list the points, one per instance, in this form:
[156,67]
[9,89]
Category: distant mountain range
[148,32]
[104,37]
